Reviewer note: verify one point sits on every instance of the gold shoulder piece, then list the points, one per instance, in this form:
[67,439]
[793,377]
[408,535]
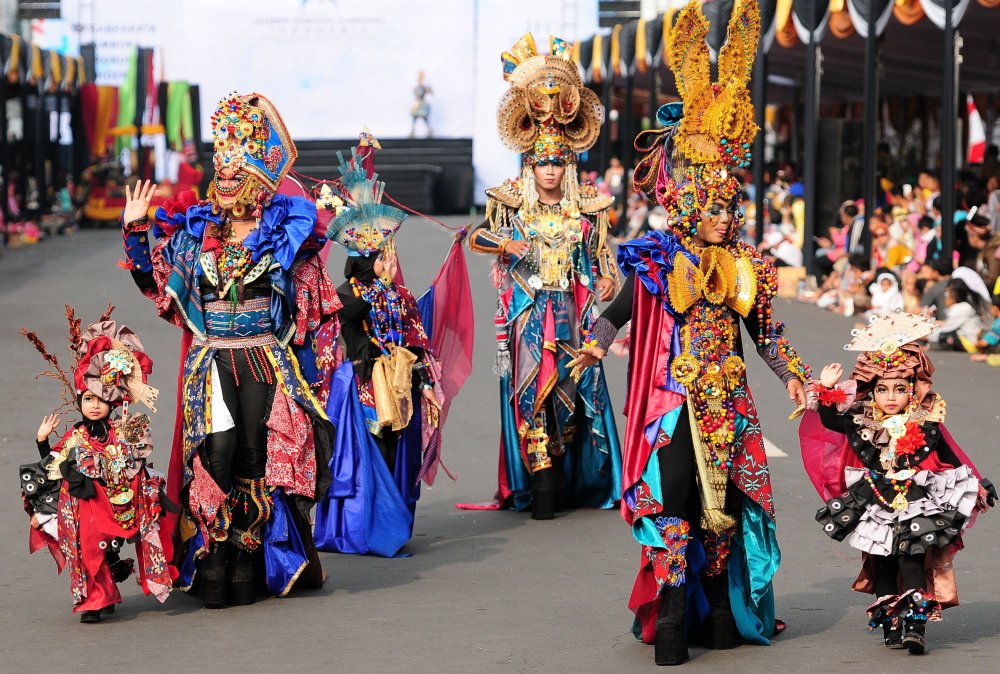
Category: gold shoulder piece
[684,287]
[743,292]
[508,194]
[719,270]
[592,201]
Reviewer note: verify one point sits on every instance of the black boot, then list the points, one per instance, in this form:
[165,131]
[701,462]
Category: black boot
[671,638]
[543,504]
[892,634]
[90,616]
[913,639]
[241,585]
[719,631]
[213,575]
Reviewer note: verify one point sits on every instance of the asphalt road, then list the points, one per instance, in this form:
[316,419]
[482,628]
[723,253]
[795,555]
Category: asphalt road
[480,591]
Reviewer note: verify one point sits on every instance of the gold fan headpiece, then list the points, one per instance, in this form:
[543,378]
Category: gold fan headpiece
[548,115]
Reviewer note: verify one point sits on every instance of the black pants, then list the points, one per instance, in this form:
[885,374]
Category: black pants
[240,451]
[678,472]
[890,571]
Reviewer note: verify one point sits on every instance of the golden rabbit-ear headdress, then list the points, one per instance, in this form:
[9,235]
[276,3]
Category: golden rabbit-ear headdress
[689,163]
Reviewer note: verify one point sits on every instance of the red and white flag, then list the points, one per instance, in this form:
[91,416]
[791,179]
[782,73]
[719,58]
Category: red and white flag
[976,151]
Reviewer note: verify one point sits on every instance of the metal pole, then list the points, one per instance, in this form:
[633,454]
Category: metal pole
[949,115]
[605,146]
[759,95]
[869,192]
[814,61]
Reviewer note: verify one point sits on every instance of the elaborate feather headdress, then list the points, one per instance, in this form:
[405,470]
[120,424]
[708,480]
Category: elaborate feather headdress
[364,225]
[689,161]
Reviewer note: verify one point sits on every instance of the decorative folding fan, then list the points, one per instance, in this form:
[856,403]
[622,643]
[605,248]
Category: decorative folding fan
[888,333]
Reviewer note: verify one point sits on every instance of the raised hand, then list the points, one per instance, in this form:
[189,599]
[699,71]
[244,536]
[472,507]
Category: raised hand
[137,203]
[47,426]
[831,374]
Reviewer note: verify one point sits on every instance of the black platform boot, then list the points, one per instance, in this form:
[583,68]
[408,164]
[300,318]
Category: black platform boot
[913,638]
[719,631]
[212,575]
[543,504]
[242,591]
[671,638]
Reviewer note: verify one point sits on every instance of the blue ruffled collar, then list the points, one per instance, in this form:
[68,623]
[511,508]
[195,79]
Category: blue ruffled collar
[286,224]
[651,258]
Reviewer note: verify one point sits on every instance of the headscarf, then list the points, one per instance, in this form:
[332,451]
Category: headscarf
[915,366]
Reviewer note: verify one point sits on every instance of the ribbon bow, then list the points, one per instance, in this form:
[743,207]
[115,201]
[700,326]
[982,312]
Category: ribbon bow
[720,278]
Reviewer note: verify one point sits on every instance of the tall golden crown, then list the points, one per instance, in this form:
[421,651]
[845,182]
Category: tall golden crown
[546,98]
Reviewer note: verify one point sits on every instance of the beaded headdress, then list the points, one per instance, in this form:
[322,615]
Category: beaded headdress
[364,225]
[109,361]
[689,162]
[249,135]
[548,115]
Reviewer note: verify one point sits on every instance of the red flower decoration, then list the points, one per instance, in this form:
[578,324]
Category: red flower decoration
[180,202]
[831,396]
[912,440]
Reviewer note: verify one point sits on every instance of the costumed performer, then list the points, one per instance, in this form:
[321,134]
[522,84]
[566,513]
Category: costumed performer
[95,490]
[697,486]
[240,274]
[896,484]
[558,440]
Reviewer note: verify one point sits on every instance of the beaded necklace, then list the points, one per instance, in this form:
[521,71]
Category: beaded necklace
[901,487]
[386,324]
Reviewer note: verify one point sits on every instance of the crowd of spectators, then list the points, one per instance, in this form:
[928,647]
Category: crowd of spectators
[905,267]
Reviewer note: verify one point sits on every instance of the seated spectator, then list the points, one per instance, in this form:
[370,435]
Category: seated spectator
[886,297]
[988,344]
[959,331]
[937,274]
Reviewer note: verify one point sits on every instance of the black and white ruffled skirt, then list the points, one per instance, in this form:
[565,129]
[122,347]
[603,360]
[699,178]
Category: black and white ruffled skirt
[938,504]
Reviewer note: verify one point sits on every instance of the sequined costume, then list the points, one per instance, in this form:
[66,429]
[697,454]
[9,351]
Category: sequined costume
[555,432]
[897,486]
[252,442]
[95,489]
[697,489]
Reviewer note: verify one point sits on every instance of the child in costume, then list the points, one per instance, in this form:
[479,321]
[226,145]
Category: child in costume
[93,491]
[897,487]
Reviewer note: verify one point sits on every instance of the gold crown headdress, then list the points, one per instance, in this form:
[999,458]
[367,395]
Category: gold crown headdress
[547,114]
[718,124]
